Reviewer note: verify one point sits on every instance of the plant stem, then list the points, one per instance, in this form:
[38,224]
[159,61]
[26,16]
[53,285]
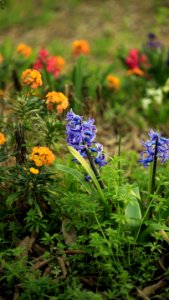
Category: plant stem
[151,189]
[143,219]
[94,168]
[152,176]
[101,230]
[119,164]
[154,168]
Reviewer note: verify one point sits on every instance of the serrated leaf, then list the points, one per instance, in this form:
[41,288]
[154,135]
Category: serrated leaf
[11,199]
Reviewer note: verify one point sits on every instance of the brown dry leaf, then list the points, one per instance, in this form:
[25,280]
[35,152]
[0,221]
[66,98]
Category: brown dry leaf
[165,236]
[39,249]
[16,293]
[142,295]
[27,244]
[40,264]
[150,290]
[68,234]
[162,262]
[62,265]
[47,271]
[89,281]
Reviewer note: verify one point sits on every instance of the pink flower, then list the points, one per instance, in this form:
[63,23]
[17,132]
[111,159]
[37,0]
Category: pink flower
[143,59]
[38,64]
[41,59]
[135,59]
[43,54]
[132,61]
[52,64]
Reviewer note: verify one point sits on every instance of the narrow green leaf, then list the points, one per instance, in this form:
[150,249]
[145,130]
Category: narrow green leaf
[89,171]
[136,192]
[79,77]
[79,176]
[153,227]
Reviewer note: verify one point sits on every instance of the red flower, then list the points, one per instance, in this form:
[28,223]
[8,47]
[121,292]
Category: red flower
[132,61]
[52,64]
[135,59]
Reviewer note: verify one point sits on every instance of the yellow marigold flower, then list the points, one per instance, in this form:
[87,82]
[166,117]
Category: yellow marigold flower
[34,171]
[80,47]
[1,58]
[24,50]
[42,156]
[2,139]
[57,98]
[32,78]
[60,62]
[113,82]
[135,71]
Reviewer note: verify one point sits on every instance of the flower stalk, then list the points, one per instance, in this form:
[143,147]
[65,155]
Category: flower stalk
[93,166]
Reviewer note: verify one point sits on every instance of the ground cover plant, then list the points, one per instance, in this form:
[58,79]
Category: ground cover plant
[76,221]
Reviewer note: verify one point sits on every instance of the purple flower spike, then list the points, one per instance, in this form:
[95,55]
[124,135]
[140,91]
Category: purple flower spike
[153,42]
[147,156]
[81,134]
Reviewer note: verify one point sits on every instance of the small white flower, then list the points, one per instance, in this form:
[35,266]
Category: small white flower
[158,97]
[166,86]
[146,102]
[151,92]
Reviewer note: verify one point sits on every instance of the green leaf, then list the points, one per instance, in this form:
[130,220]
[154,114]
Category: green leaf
[79,77]
[136,192]
[106,72]
[133,213]
[153,227]
[89,171]
[11,199]
[79,176]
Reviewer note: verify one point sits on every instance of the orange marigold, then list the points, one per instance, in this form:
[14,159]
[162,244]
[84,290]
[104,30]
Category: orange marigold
[32,78]
[42,156]
[135,71]
[1,58]
[24,50]
[113,82]
[80,47]
[2,139]
[34,171]
[57,98]
[60,62]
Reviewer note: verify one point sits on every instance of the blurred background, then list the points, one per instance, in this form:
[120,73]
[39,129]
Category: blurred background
[107,24]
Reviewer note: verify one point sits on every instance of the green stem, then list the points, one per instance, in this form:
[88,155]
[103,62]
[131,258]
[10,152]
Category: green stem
[143,219]
[151,189]
[79,77]
[119,163]
[101,230]
[154,168]
[152,176]
[94,168]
